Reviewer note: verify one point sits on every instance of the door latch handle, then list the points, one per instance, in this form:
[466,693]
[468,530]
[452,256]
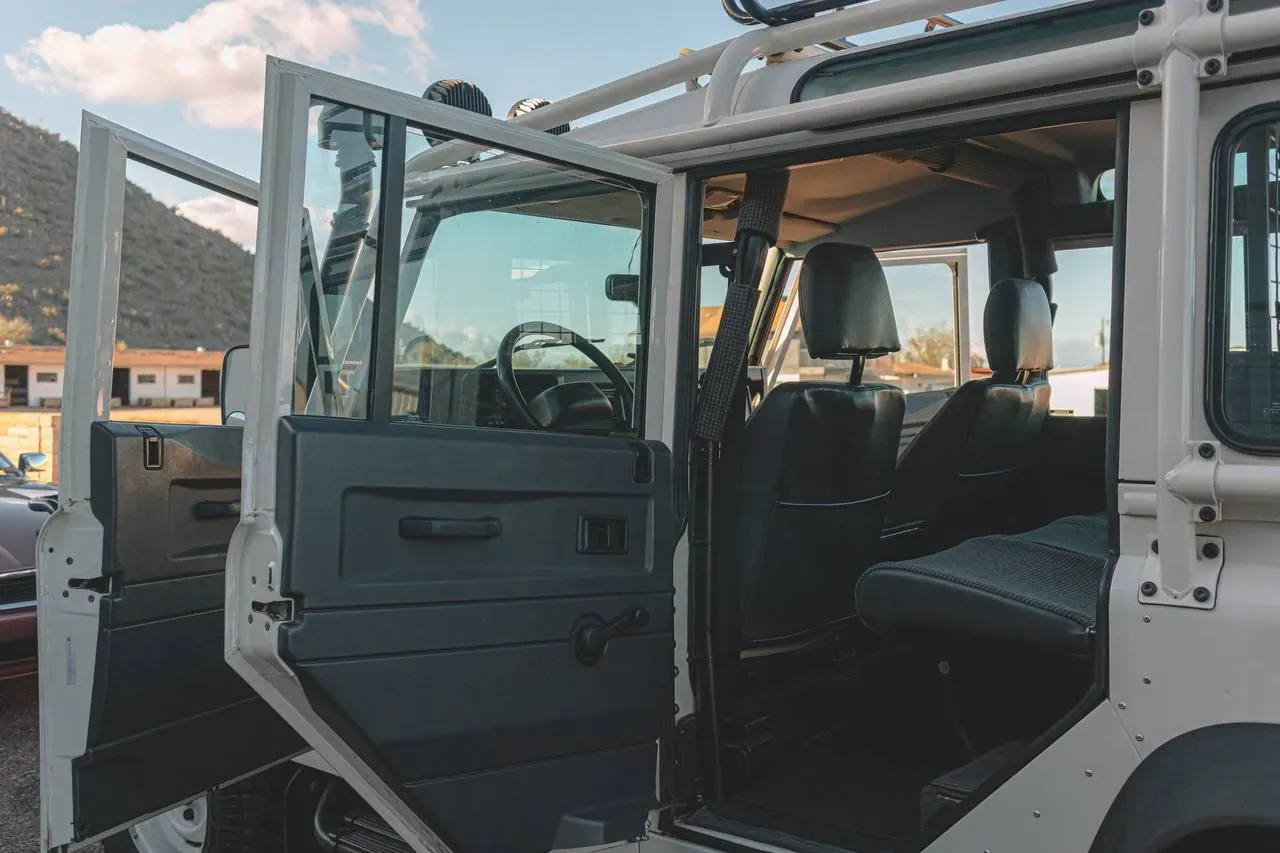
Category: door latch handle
[592,634]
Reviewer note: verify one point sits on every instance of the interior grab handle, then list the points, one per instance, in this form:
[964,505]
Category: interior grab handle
[417,527]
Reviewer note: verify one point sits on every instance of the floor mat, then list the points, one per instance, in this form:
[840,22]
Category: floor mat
[859,791]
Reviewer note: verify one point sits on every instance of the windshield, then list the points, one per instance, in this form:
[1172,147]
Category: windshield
[487,271]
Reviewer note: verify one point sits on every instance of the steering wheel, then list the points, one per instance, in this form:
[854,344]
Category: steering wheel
[571,401]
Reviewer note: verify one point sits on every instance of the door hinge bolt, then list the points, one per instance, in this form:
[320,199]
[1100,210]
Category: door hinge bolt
[1211,67]
[1145,77]
[1214,5]
[1148,588]
[1211,550]
[1146,17]
[1202,594]
[1155,546]
[1206,450]
[1208,513]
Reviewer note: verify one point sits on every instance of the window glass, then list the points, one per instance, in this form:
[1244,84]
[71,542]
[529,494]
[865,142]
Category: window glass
[1244,369]
[712,290]
[1081,332]
[924,305]
[339,261]
[520,289]
[1081,327]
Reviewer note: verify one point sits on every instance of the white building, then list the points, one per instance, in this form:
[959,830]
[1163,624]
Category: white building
[33,377]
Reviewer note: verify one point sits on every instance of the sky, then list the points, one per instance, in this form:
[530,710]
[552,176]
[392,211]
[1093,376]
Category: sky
[190,72]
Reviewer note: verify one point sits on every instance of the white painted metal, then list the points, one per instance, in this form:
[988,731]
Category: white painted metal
[1175,562]
[661,374]
[853,21]
[70,542]
[182,829]
[256,549]
[1057,802]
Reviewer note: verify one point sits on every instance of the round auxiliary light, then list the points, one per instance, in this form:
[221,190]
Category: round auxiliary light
[528,105]
[462,94]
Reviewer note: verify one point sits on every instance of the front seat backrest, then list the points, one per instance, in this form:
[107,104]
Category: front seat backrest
[957,479]
[819,459]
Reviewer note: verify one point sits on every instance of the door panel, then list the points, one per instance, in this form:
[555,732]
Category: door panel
[168,718]
[138,710]
[394,615]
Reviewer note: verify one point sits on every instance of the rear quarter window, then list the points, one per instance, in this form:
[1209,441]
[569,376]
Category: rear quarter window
[1242,399]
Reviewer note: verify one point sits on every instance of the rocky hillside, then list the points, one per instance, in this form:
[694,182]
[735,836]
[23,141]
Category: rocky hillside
[182,285]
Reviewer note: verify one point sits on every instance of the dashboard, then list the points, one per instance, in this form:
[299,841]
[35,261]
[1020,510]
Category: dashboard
[469,396]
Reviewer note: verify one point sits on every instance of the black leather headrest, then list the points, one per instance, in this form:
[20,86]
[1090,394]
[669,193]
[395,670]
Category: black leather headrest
[845,309]
[1018,327]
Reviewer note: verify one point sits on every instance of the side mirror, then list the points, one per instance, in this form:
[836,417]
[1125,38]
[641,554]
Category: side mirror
[32,462]
[236,384]
[622,287]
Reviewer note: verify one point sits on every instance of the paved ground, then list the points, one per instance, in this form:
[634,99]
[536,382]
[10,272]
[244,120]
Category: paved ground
[19,767]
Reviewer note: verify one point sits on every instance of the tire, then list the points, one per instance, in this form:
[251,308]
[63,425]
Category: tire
[247,817]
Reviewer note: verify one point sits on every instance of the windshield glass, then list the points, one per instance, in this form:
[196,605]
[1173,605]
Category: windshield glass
[488,271]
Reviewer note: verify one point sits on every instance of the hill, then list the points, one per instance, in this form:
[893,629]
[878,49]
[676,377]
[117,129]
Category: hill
[182,285]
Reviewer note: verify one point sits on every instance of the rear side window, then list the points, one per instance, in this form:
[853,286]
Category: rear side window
[1243,372]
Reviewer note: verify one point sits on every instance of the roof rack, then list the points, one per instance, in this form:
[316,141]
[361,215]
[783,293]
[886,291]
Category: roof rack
[725,63]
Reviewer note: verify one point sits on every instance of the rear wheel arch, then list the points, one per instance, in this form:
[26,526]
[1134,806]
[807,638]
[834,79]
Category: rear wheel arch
[1203,787]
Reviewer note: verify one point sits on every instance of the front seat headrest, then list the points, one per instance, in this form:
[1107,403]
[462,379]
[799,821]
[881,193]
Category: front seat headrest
[1018,328]
[845,309]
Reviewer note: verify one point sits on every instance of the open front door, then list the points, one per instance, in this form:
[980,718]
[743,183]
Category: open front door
[138,710]
[453,572]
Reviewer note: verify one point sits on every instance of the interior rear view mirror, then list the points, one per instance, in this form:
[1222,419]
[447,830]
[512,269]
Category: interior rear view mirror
[623,287]
[235,384]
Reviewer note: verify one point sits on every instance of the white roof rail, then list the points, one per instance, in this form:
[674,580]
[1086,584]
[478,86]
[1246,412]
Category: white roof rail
[848,22]
[724,62]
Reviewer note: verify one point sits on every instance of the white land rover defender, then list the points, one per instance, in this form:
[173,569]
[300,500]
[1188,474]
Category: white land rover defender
[702,478]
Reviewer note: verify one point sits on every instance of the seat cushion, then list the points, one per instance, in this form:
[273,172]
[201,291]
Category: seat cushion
[1040,587]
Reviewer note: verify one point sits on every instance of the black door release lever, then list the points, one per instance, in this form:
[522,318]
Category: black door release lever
[592,634]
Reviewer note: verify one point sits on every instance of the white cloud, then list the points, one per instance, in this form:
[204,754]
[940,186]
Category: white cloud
[213,62]
[235,219]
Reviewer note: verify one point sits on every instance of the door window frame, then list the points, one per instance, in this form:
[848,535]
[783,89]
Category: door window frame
[105,150]
[290,91]
[787,314]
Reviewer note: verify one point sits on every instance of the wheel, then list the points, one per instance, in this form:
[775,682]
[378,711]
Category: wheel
[247,817]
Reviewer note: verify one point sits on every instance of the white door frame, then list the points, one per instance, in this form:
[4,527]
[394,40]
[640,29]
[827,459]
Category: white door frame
[257,547]
[70,542]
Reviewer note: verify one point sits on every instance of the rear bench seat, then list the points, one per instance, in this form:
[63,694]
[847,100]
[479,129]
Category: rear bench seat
[1040,587]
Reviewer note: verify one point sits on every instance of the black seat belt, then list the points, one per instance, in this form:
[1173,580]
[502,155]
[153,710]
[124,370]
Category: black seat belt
[722,390]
